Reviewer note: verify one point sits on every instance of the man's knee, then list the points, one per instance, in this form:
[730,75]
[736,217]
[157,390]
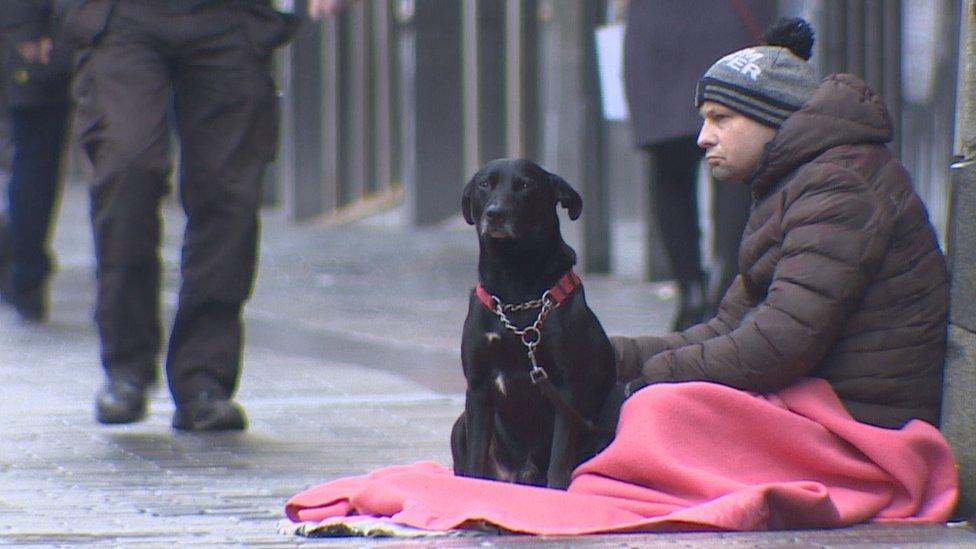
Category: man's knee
[141,168]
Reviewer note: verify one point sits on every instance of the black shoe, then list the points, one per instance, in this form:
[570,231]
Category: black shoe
[120,402]
[5,252]
[30,305]
[206,413]
[692,306]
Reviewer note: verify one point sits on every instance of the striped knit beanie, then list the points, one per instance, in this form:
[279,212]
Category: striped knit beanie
[766,83]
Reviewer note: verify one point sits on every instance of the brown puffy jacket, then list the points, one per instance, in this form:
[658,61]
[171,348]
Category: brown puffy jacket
[842,277]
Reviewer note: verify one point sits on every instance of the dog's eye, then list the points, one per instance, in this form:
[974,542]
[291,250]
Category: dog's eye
[484,184]
[523,184]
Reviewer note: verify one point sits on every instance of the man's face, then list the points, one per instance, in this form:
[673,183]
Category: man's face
[733,143]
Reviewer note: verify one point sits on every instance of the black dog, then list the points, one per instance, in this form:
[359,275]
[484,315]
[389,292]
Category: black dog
[524,422]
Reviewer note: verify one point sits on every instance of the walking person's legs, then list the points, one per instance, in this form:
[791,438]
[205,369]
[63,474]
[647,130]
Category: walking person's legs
[675,202]
[227,116]
[38,134]
[730,211]
[122,90]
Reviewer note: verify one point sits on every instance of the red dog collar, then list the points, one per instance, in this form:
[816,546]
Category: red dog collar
[559,292]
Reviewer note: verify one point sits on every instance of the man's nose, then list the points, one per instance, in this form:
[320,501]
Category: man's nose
[706,137]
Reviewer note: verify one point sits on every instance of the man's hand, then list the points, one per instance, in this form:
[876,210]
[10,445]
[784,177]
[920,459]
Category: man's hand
[36,51]
[632,352]
[320,8]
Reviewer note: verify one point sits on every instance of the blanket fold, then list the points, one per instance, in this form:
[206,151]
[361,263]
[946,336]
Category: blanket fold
[687,456]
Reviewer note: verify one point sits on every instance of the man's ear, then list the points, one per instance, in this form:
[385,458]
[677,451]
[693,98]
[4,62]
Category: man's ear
[567,196]
[466,200]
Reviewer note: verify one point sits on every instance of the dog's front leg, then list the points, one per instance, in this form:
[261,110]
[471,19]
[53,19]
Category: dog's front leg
[562,455]
[478,417]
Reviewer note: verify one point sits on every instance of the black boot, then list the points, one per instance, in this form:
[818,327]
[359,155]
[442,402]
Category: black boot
[4,241]
[692,304]
[31,304]
[722,277]
[4,258]
[209,413]
[120,401]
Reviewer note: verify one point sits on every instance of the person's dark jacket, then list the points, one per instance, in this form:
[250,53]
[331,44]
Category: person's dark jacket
[33,84]
[842,276]
[668,44]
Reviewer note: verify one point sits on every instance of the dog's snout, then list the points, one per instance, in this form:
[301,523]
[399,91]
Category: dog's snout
[495,213]
[497,221]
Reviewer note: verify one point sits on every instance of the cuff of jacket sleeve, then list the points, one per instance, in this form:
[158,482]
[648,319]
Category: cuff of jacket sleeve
[656,369]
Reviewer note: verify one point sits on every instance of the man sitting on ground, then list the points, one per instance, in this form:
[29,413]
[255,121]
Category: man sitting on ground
[841,273]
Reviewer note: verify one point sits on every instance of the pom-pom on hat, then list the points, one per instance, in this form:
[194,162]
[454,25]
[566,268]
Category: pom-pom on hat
[766,83]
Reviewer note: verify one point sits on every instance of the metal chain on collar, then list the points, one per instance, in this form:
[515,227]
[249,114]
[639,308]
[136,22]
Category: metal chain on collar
[531,335]
[528,305]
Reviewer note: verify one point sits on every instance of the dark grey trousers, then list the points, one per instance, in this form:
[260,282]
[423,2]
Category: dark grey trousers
[205,72]
[675,199]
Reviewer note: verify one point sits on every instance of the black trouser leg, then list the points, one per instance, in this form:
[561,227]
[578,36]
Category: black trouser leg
[731,203]
[122,90]
[227,116]
[38,135]
[673,193]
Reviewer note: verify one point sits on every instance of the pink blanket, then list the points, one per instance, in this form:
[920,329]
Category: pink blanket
[687,456]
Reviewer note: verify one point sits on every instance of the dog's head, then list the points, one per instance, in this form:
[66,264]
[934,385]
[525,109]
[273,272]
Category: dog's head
[515,199]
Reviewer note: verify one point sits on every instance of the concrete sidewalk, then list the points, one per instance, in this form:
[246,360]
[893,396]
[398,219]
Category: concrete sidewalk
[351,363]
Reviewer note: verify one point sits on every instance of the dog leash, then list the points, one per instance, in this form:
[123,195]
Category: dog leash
[531,336]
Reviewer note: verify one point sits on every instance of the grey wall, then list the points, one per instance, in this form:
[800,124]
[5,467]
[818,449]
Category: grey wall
[959,406]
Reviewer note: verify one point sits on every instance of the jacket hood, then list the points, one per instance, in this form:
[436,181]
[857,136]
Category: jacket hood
[842,111]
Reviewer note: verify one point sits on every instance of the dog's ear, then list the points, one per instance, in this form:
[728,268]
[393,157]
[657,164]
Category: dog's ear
[567,196]
[466,200]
